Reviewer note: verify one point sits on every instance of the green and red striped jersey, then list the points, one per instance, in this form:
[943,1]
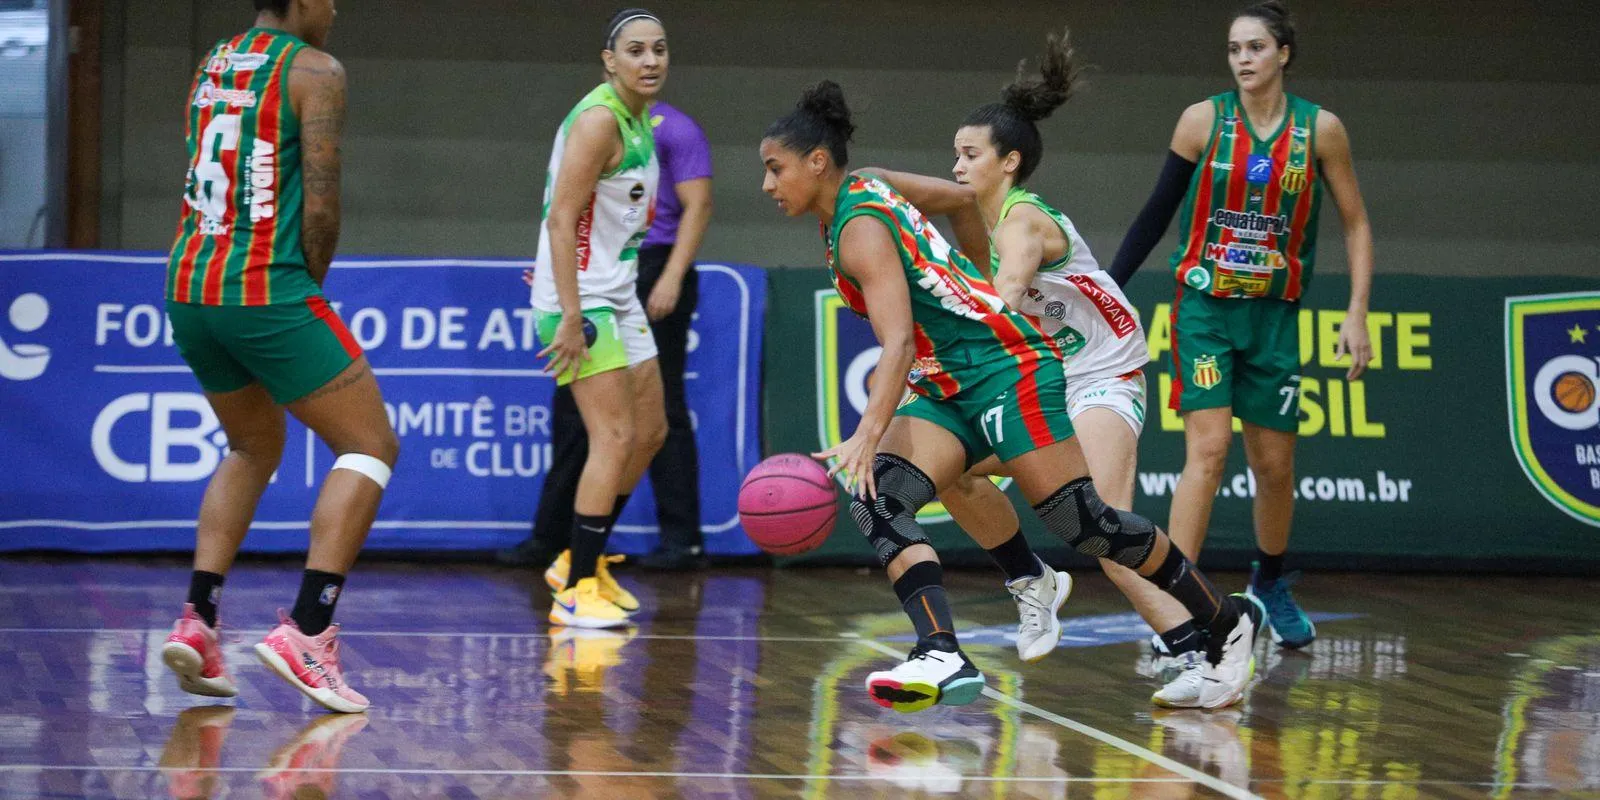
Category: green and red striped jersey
[1250,218]
[238,240]
[963,330]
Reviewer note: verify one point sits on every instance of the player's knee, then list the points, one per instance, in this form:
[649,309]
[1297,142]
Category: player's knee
[968,488]
[1077,515]
[1276,469]
[371,455]
[1206,455]
[614,437]
[387,447]
[653,436]
[263,449]
[890,521]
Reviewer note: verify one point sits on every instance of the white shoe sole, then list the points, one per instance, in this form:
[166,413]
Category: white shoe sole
[326,697]
[560,616]
[187,664]
[1053,633]
[1163,702]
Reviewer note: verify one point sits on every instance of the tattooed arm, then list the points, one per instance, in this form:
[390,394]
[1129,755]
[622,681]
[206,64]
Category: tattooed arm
[317,92]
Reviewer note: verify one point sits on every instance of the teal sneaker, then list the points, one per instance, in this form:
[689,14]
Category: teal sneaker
[1291,627]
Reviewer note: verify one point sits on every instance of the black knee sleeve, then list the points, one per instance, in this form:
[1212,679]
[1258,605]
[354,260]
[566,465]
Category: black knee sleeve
[890,522]
[1077,514]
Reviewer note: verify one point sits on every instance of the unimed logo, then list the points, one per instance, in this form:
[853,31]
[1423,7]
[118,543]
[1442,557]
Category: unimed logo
[185,440]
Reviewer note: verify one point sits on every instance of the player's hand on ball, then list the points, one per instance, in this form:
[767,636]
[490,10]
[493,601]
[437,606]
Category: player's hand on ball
[854,458]
[1355,342]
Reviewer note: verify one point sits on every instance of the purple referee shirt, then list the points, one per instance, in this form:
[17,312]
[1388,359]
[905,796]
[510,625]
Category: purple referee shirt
[685,155]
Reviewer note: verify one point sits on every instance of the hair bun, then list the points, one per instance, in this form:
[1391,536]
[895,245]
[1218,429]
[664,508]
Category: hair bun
[825,101]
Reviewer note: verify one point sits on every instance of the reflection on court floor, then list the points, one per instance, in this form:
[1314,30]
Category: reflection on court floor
[748,683]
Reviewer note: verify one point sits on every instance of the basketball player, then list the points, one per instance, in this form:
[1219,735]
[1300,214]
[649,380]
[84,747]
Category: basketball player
[255,240]
[599,200]
[985,379]
[1250,167]
[1042,267]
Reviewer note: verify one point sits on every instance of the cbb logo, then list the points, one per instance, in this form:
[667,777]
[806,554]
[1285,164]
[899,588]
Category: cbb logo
[1565,390]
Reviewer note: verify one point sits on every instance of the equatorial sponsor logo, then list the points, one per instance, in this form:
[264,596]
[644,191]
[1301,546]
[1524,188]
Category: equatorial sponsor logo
[1553,397]
[1250,224]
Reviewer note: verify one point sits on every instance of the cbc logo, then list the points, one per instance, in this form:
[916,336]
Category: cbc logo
[173,434]
[24,362]
[1564,389]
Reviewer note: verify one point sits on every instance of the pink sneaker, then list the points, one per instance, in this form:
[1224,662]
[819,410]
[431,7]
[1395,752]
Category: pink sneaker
[194,652]
[310,664]
[307,765]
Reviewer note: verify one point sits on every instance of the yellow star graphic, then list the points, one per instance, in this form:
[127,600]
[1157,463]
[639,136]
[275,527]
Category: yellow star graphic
[1577,333]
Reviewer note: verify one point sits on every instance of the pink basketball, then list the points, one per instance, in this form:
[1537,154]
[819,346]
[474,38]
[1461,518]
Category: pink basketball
[787,504]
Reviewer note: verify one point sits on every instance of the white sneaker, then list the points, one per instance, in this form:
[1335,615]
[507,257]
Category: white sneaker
[1235,664]
[1038,601]
[927,677]
[1183,691]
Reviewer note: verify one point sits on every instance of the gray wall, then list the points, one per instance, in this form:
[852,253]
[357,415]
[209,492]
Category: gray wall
[1472,121]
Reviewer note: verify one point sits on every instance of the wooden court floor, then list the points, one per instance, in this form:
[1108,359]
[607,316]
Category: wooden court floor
[747,683]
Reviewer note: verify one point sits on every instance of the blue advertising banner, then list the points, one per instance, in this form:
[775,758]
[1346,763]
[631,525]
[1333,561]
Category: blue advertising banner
[107,443]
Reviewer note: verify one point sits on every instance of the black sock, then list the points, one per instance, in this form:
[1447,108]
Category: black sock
[589,536]
[313,608]
[1211,611]
[1185,638]
[921,593]
[616,510]
[205,590]
[1270,567]
[1016,558]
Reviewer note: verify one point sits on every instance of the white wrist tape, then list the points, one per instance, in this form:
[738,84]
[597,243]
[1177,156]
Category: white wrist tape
[371,467]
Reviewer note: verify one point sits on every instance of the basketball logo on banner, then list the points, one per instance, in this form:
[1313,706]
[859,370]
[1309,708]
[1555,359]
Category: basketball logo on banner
[847,353]
[1552,375]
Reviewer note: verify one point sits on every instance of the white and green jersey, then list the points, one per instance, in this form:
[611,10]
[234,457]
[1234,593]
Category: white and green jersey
[616,219]
[1079,304]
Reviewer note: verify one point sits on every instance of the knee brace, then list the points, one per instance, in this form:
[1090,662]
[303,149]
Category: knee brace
[1077,514]
[373,468]
[890,522]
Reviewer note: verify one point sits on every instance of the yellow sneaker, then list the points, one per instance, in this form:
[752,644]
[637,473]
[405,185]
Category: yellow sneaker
[578,658]
[610,589]
[556,578]
[582,606]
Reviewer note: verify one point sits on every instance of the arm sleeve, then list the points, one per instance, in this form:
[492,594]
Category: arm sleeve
[1153,220]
